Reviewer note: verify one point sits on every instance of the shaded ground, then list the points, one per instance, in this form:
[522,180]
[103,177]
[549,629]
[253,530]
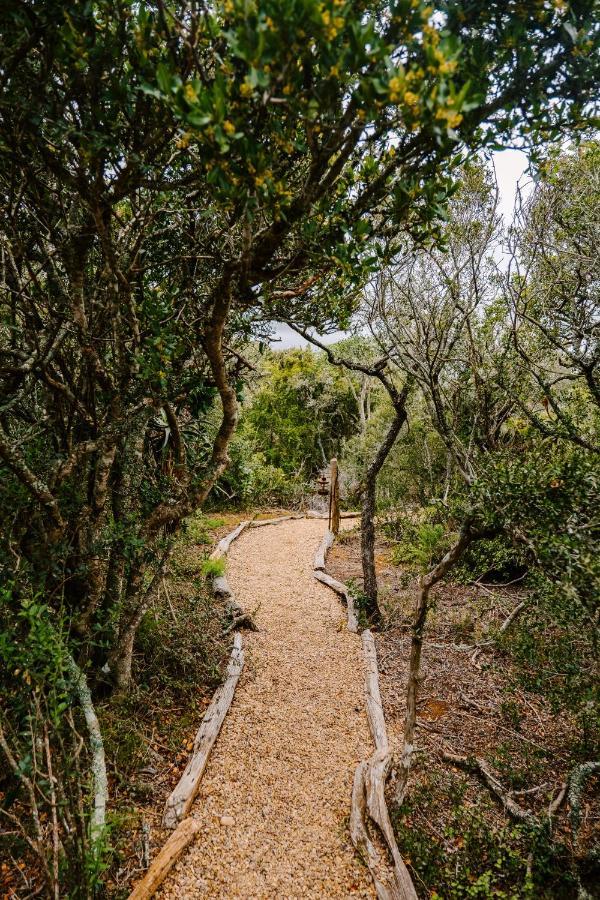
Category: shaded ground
[472,704]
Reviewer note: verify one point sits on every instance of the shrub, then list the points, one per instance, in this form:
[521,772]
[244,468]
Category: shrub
[457,851]
[495,559]
[421,545]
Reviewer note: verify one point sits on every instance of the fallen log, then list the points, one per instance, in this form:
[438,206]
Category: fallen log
[222,548]
[312,514]
[344,593]
[258,523]
[179,803]
[324,548]
[368,796]
[174,846]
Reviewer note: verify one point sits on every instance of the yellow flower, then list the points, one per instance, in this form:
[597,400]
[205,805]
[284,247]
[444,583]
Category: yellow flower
[448,67]
[190,93]
[269,23]
[228,127]
[396,85]
[184,140]
[246,89]
[410,99]
[450,116]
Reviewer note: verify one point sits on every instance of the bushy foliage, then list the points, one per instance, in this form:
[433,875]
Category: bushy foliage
[301,412]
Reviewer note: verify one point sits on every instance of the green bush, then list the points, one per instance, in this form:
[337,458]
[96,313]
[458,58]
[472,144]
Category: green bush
[495,559]
[421,546]
[43,727]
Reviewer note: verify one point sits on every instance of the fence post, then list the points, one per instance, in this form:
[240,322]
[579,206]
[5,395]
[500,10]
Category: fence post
[334,498]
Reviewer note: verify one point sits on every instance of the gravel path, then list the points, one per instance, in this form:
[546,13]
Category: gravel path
[275,798]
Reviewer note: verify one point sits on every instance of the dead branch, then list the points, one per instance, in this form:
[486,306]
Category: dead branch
[477,766]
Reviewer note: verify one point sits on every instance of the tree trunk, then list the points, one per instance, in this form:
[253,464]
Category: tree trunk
[170,515]
[98,764]
[420,617]
[367,523]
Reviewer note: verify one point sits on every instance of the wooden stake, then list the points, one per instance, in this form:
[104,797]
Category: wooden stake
[334,498]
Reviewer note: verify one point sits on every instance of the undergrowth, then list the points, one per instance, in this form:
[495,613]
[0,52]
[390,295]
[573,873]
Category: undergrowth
[179,657]
[458,849]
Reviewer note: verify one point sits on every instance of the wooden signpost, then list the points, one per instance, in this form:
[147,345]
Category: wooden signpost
[334,497]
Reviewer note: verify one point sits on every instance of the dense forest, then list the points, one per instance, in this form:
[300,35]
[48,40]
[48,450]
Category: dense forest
[178,178]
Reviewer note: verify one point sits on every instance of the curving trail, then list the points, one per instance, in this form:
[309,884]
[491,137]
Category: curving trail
[281,771]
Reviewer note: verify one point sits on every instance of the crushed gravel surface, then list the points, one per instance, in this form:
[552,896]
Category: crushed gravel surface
[275,798]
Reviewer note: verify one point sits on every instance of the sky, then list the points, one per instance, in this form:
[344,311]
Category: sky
[510,168]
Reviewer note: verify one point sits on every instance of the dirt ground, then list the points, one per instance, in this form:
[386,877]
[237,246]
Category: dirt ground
[470,704]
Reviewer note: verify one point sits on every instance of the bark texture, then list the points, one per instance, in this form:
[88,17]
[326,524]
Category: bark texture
[100,780]
[420,617]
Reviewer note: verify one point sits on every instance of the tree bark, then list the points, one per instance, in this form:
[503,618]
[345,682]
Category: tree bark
[367,522]
[98,817]
[170,515]
[420,617]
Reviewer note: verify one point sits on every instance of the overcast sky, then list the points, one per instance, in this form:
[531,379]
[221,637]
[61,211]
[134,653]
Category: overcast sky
[510,168]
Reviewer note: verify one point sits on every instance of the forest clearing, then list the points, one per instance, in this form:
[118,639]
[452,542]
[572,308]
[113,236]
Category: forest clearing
[299,449]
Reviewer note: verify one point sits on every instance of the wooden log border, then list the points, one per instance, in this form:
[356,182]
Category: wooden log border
[370,826]
[371,830]
[177,806]
[160,867]
[180,800]
[341,589]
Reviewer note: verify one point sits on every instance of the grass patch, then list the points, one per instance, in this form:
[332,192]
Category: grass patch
[214,568]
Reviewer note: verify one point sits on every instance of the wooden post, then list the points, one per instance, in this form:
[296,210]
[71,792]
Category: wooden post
[334,498]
